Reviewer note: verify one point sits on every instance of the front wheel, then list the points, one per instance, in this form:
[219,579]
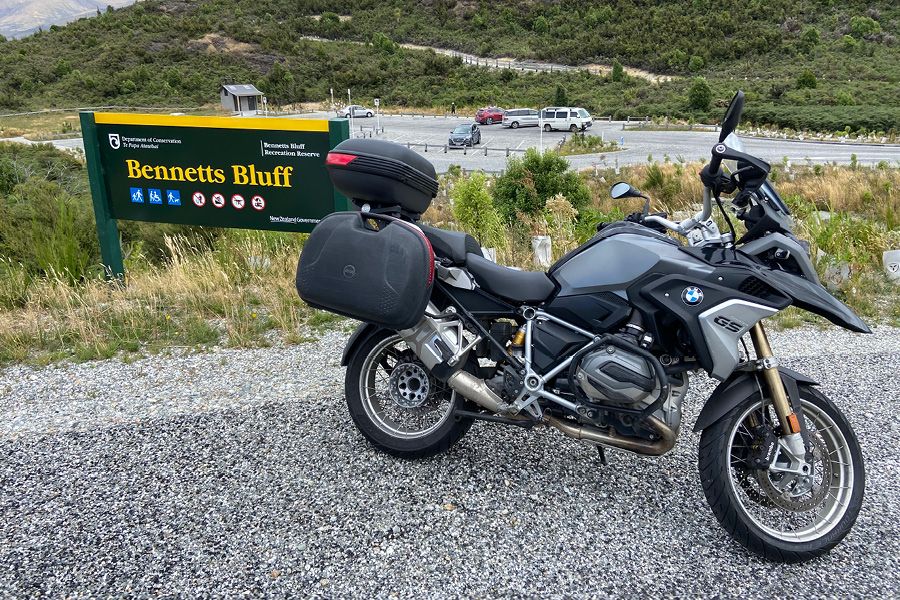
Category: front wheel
[547,128]
[515,125]
[763,501]
[489,121]
[397,404]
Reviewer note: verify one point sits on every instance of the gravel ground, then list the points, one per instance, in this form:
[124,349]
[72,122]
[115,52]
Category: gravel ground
[239,473]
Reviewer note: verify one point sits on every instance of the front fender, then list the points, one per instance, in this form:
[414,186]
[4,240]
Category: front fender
[738,387]
[813,297]
[363,332]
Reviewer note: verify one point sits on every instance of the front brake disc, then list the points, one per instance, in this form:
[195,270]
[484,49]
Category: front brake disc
[799,493]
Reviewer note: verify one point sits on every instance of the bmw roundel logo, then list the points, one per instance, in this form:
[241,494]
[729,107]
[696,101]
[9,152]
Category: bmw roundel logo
[692,296]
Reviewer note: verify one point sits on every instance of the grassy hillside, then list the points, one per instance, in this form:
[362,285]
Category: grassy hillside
[804,65]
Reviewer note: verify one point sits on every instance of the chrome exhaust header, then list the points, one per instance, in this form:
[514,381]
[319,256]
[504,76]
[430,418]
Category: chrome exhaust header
[610,438]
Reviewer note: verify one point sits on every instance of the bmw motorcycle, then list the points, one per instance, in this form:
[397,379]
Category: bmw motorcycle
[600,346]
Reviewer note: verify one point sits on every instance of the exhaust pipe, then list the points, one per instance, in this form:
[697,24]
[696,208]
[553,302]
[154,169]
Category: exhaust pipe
[593,435]
[476,390]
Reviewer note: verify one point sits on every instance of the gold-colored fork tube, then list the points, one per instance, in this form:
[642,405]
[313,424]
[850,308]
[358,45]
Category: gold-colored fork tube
[786,416]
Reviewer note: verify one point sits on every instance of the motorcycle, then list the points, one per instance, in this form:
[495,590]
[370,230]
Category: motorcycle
[601,346]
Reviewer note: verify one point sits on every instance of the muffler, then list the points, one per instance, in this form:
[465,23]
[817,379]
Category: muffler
[476,390]
[610,438]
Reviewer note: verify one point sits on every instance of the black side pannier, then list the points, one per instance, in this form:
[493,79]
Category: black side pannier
[381,273]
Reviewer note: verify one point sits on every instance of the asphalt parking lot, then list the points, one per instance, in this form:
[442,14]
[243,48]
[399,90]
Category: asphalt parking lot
[638,144]
[238,473]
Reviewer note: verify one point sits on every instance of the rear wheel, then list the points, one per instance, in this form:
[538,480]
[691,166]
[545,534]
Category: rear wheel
[489,121]
[397,404]
[369,114]
[766,503]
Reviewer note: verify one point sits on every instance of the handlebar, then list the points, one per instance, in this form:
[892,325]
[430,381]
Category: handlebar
[687,225]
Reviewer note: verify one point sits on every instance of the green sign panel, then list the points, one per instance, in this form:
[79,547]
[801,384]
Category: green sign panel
[252,173]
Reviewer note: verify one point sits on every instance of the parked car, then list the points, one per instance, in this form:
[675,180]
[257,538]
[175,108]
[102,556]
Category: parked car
[521,117]
[571,118]
[489,115]
[465,135]
[358,111]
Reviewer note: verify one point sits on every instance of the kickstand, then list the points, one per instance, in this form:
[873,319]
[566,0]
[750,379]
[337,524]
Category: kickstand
[602,452]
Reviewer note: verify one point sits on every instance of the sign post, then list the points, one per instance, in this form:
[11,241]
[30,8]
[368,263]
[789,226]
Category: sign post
[252,173]
[377,115]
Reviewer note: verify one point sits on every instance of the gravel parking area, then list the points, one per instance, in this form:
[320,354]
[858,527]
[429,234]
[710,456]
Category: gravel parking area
[239,473]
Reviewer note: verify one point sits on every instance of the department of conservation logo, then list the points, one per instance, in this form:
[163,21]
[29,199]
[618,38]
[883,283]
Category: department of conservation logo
[114,142]
[692,296]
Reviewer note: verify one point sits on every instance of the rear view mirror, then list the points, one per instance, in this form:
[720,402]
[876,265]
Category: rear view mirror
[732,116]
[624,190]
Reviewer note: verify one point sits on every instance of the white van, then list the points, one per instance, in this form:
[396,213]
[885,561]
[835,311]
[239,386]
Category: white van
[570,118]
[520,117]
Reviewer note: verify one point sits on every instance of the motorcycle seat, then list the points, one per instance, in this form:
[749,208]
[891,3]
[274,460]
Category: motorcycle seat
[452,245]
[519,287]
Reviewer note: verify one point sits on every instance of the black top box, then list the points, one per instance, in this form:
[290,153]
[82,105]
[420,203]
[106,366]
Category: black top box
[382,174]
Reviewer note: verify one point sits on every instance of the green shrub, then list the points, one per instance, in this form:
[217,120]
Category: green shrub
[48,230]
[700,94]
[531,180]
[807,79]
[864,26]
[475,212]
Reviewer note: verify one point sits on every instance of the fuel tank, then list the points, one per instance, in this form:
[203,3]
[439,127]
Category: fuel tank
[611,263]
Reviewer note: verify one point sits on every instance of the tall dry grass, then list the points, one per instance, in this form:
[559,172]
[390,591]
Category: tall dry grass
[234,295]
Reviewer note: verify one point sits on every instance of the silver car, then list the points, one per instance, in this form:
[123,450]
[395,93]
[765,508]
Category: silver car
[521,117]
[357,111]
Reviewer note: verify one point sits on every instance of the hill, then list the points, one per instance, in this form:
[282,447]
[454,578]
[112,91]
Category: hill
[19,18]
[805,64]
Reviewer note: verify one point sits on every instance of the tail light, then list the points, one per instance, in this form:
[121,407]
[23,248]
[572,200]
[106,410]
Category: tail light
[339,159]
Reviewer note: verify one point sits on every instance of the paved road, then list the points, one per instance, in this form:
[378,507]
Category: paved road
[237,473]
[638,144]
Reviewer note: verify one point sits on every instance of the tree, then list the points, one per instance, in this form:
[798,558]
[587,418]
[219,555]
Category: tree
[807,79]
[540,25]
[562,98]
[700,94]
[533,179]
[618,72]
[695,64]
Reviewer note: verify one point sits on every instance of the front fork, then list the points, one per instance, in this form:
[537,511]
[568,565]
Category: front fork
[768,365]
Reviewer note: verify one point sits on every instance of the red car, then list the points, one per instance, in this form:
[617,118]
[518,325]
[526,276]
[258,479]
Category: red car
[489,115]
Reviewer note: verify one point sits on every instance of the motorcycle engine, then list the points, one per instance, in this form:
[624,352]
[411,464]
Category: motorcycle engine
[613,376]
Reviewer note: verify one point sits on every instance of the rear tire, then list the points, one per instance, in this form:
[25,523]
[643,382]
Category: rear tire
[489,121]
[377,415]
[748,503]
[369,114]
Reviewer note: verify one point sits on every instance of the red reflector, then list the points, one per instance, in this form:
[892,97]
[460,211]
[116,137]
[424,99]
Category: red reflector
[336,158]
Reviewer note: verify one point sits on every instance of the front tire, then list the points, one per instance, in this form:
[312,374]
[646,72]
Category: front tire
[396,404]
[547,128]
[515,125]
[782,516]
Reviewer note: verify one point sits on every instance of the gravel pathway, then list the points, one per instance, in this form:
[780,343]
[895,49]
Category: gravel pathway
[238,473]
